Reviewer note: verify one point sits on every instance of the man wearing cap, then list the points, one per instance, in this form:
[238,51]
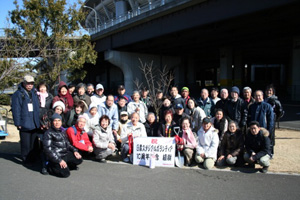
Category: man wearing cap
[214,95]
[98,98]
[235,108]
[185,92]
[62,156]
[121,93]
[25,109]
[208,144]
[122,106]
[176,98]
[206,104]
[179,114]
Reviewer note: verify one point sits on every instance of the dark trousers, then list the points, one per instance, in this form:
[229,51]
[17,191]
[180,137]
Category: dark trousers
[27,139]
[72,162]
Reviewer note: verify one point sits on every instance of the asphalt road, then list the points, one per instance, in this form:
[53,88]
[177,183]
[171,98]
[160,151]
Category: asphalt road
[123,181]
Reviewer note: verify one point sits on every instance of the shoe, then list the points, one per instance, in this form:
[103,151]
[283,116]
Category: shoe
[126,160]
[250,166]
[264,170]
[102,160]
[44,171]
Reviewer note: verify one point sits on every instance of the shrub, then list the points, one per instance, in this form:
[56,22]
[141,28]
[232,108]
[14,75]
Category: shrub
[4,99]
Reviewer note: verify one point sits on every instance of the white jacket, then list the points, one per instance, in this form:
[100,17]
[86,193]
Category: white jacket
[91,122]
[143,112]
[96,99]
[137,131]
[208,142]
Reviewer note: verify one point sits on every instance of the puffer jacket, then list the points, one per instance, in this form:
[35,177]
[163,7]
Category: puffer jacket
[56,145]
[276,105]
[260,143]
[233,144]
[21,115]
[235,111]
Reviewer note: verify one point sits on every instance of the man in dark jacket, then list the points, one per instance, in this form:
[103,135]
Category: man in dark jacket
[257,145]
[25,109]
[222,103]
[62,156]
[263,113]
[151,125]
[235,108]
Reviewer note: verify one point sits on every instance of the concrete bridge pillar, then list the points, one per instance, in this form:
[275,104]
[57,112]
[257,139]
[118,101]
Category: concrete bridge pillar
[294,81]
[129,63]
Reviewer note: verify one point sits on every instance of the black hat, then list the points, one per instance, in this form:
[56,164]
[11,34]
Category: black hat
[206,120]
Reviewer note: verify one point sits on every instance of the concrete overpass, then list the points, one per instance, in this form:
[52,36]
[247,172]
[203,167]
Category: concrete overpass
[206,43]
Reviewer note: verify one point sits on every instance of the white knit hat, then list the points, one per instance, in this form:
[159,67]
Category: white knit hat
[59,103]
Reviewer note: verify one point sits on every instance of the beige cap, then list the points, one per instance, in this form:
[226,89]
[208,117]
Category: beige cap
[28,78]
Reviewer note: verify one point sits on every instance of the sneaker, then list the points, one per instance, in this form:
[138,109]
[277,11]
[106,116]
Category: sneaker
[44,171]
[126,160]
[102,160]
[264,170]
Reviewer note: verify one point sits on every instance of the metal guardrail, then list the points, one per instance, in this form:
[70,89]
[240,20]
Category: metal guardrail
[131,14]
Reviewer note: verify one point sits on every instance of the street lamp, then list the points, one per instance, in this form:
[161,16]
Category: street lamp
[95,15]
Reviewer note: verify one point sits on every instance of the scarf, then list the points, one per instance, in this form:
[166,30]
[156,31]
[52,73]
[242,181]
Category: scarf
[43,97]
[68,100]
[189,139]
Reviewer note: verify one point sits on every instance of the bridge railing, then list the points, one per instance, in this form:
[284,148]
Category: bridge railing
[130,14]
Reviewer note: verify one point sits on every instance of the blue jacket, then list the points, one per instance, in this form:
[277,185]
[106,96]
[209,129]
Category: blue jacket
[208,107]
[111,112]
[21,115]
[263,113]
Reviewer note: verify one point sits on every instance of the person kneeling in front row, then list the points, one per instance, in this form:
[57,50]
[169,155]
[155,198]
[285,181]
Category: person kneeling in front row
[208,144]
[103,139]
[62,156]
[258,146]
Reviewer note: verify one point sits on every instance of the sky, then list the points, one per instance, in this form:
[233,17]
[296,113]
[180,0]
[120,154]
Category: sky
[7,5]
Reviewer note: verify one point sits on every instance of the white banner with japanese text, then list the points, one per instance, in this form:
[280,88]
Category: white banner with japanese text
[162,149]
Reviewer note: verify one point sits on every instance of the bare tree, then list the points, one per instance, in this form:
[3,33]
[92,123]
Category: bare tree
[155,80]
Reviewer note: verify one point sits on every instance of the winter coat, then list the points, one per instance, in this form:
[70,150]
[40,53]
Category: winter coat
[263,113]
[66,99]
[177,118]
[96,99]
[102,137]
[71,117]
[233,144]
[28,120]
[221,125]
[44,110]
[208,107]
[152,130]
[276,105]
[80,140]
[91,122]
[208,142]
[121,109]
[178,100]
[163,132]
[235,111]
[85,98]
[260,144]
[111,112]
[56,145]
[143,112]
[197,115]
[222,104]
[137,131]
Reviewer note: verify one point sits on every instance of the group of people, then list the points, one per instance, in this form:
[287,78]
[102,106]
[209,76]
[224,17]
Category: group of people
[82,122]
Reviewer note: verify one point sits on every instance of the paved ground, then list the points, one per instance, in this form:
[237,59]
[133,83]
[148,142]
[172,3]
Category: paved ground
[124,181]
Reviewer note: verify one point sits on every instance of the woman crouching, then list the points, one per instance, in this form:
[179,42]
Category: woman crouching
[103,139]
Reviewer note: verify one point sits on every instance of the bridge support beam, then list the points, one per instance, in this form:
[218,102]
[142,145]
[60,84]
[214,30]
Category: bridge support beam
[129,63]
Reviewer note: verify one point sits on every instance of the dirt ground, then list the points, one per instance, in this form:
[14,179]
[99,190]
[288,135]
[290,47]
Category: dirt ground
[286,159]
